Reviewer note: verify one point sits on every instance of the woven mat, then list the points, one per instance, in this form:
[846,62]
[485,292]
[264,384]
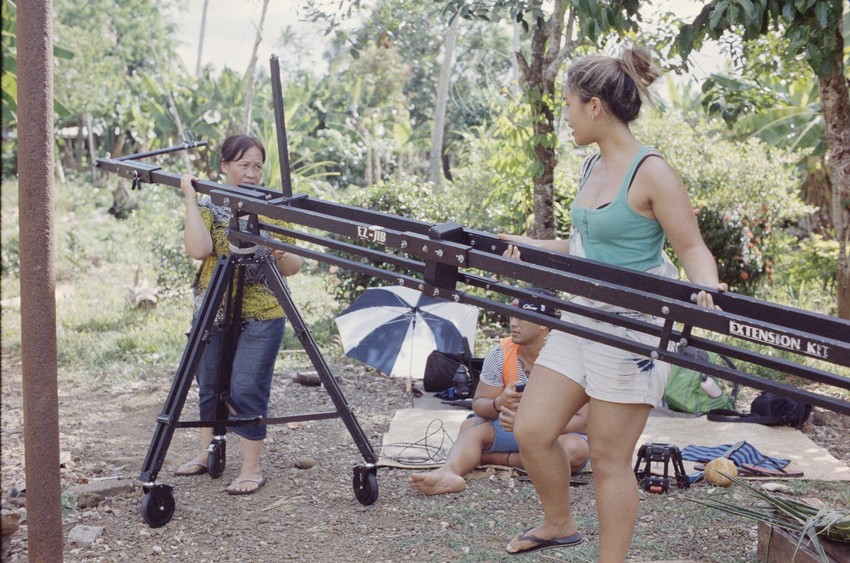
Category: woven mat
[783,442]
[420,438]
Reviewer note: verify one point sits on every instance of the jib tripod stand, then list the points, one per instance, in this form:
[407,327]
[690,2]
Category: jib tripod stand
[227,280]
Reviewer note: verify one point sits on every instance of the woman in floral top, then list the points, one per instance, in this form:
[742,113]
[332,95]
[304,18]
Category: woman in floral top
[262,320]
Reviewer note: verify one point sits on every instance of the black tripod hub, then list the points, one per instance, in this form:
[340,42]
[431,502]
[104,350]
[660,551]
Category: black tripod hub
[663,454]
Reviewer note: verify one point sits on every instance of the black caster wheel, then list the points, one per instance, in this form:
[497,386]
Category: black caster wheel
[365,485]
[216,458]
[157,505]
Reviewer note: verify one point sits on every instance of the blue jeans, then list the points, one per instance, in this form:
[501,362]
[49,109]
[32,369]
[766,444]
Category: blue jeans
[251,379]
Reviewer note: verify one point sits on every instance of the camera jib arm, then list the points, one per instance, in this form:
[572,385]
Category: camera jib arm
[448,261]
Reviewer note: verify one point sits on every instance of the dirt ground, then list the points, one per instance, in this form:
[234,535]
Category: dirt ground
[307,511]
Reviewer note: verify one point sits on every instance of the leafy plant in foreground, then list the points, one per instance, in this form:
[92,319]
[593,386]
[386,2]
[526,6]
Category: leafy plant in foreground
[784,512]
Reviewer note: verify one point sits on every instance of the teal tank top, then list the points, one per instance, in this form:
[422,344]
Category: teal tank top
[616,234]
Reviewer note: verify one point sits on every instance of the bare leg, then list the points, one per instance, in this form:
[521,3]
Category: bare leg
[548,403]
[510,459]
[577,450]
[250,466]
[613,430]
[464,456]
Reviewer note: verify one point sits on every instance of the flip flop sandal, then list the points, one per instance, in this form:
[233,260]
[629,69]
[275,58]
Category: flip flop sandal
[260,482]
[202,468]
[539,544]
[750,470]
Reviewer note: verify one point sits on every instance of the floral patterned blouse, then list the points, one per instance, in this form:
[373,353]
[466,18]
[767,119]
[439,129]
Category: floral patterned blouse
[258,302]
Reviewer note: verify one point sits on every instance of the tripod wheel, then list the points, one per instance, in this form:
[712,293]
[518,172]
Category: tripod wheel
[217,458]
[158,506]
[365,485]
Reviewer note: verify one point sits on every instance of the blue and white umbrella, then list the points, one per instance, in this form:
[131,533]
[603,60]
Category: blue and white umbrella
[394,329]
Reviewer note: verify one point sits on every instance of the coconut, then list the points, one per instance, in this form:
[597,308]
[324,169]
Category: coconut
[717,469]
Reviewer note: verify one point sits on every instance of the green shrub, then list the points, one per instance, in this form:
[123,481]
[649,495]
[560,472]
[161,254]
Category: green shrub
[10,256]
[806,274]
[736,243]
[413,201]
[158,230]
[743,192]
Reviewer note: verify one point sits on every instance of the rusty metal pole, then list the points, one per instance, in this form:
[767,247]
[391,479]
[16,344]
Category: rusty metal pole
[38,299]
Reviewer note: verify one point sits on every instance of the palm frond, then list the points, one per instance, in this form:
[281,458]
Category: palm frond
[783,512]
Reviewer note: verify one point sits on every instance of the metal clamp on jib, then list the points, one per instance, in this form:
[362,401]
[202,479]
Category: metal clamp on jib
[247,250]
[427,248]
[431,290]
[138,172]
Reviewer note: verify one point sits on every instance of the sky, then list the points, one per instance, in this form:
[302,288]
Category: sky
[231,30]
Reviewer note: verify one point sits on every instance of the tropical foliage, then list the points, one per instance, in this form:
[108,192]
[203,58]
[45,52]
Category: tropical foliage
[814,31]
[361,132]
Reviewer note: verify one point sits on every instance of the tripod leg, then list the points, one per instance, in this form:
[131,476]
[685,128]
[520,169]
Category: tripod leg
[346,412]
[228,340]
[167,421]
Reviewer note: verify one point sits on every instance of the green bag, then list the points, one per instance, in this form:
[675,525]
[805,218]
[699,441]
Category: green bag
[684,393]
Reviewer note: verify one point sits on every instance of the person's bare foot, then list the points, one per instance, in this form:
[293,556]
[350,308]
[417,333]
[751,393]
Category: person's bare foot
[437,482]
[195,466]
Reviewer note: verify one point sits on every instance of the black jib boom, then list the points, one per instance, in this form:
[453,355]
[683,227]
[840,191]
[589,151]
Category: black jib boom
[445,260]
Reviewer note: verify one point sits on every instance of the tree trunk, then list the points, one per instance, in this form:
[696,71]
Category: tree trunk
[249,96]
[515,43]
[80,148]
[538,76]
[434,163]
[836,115]
[118,145]
[367,173]
[92,150]
[539,91]
[201,38]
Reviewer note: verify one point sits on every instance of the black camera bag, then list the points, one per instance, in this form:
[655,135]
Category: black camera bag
[770,409]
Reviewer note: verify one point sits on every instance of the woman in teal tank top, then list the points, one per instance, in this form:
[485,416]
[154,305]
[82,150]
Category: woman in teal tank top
[629,200]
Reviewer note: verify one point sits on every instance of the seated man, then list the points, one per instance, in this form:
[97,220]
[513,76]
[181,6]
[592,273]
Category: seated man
[487,435]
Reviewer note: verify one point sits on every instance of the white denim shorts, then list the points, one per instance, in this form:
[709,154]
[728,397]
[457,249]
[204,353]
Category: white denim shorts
[605,372]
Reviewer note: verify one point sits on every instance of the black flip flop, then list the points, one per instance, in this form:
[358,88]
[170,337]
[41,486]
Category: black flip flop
[540,544]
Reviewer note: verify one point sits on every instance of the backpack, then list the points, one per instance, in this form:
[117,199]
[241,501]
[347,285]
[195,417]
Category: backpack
[684,391]
[770,409]
[440,368]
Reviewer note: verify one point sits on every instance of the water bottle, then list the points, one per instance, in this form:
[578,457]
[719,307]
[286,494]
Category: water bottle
[710,386]
[462,382]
